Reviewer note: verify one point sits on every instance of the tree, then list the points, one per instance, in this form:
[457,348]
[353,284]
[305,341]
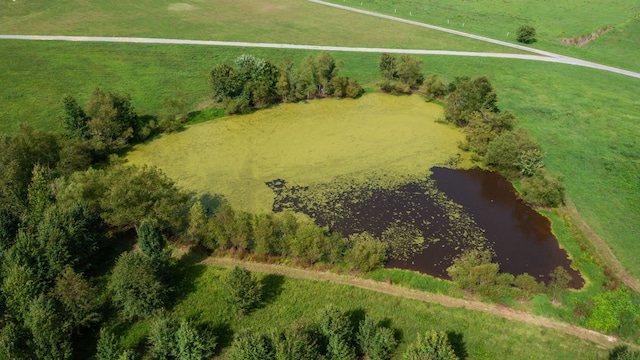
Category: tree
[526,34]
[8,229]
[528,285]
[162,337]
[505,152]
[622,352]
[542,189]
[191,344]
[114,121]
[50,336]
[473,270]
[409,71]
[433,87]
[248,345]
[108,347]
[484,127]
[135,287]
[198,228]
[14,342]
[74,119]
[367,253]
[19,154]
[243,290]
[433,345]
[613,311]
[559,283]
[336,329]
[296,342]
[125,195]
[327,68]
[467,96]
[376,342]
[264,234]
[225,82]
[78,298]
[387,66]
[150,239]
[20,287]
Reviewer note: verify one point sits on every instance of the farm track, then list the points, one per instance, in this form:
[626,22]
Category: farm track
[541,55]
[394,290]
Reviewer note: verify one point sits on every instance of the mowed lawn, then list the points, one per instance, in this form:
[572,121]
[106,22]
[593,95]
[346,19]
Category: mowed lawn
[553,21]
[276,21]
[304,143]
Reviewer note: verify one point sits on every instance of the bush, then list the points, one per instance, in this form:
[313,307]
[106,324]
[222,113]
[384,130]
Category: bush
[432,346]
[367,253]
[526,34]
[150,239]
[376,342]
[251,346]
[135,287]
[297,342]
[243,290]
[543,190]
[505,152]
[239,105]
[433,87]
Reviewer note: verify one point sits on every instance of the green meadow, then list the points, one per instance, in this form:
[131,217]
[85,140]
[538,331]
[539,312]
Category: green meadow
[276,21]
[304,143]
[482,336]
[553,21]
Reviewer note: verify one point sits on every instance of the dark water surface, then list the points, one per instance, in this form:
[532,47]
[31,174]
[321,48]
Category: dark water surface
[454,210]
[521,237]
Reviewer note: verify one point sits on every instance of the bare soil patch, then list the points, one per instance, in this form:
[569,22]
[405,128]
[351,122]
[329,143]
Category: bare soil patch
[181,7]
[581,40]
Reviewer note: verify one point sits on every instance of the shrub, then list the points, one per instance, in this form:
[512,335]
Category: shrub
[543,190]
[376,342]
[243,290]
[433,87]
[150,239]
[239,105]
[135,287]
[367,253]
[526,34]
[297,342]
[251,346]
[505,152]
[432,346]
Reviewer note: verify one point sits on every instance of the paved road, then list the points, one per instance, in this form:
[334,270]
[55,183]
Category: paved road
[554,58]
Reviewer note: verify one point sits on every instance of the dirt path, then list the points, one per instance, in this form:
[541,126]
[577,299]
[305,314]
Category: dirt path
[498,310]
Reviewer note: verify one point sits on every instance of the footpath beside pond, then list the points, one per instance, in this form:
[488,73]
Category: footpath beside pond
[493,309]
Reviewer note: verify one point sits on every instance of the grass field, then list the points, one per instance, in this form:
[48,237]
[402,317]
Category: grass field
[279,21]
[289,300]
[553,21]
[304,143]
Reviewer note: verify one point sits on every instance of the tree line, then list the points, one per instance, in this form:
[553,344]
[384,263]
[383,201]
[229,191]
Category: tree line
[254,83]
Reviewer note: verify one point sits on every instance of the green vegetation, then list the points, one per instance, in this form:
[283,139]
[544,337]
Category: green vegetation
[526,34]
[501,21]
[377,133]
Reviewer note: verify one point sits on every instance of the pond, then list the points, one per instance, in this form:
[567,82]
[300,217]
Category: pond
[436,217]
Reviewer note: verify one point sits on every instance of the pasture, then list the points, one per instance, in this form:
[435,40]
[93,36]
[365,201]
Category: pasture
[553,21]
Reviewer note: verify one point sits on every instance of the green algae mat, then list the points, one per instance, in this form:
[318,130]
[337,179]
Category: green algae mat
[305,143]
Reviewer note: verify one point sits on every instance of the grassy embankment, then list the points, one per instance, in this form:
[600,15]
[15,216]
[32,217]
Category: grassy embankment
[289,300]
[496,19]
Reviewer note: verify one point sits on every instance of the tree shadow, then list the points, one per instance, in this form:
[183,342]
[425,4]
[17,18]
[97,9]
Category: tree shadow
[356,316]
[222,332]
[456,339]
[211,203]
[183,274]
[271,288]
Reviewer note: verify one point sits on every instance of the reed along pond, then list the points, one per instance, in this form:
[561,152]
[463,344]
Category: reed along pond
[428,222]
